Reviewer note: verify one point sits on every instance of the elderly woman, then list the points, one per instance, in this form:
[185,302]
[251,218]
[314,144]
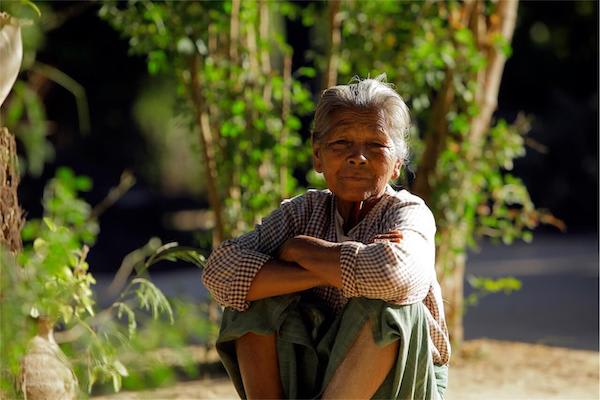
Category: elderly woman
[335,295]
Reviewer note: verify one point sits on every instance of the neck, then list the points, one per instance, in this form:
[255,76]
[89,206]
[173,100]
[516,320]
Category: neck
[354,211]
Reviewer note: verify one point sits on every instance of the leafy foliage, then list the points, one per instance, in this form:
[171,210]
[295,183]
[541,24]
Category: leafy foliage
[56,255]
[50,279]
[161,352]
[420,46]
[251,103]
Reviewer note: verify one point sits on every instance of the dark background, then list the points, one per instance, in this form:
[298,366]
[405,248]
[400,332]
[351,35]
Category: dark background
[552,77]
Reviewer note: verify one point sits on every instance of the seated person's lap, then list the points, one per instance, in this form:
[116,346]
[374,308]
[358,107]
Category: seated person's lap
[312,342]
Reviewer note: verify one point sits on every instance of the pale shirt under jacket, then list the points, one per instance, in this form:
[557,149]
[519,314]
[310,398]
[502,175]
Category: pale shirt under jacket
[400,273]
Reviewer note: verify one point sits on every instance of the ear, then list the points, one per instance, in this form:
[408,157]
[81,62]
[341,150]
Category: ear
[316,156]
[397,168]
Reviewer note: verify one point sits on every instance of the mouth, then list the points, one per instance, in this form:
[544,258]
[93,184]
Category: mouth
[357,178]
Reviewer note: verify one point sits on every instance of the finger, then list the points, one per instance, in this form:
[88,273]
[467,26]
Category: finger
[389,235]
[394,232]
[394,240]
[392,236]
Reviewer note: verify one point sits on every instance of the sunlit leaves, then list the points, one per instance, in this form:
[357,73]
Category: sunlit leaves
[483,286]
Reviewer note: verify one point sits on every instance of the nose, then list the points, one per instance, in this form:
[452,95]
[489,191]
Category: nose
[357,155]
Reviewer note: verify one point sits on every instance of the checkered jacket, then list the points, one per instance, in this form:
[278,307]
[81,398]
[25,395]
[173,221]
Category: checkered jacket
[400,273]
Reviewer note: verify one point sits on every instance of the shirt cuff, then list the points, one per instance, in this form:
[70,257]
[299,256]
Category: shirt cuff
[250,264]
[348,254]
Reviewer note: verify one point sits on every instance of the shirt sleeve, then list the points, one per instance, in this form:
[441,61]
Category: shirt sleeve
[399,272]
[232,266]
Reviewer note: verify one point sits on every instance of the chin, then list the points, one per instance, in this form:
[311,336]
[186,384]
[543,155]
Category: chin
[355,196]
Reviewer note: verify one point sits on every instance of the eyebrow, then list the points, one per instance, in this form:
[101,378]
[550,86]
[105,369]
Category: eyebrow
[377,128]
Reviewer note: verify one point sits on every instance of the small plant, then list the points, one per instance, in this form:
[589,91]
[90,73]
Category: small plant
[49,282]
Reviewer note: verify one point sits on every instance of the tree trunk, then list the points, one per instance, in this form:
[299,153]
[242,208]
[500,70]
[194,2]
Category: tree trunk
[208,153]
[335,39]
[451,271]
[452,263]
[453,292]
[503,23]
[11,215]
[435,140]
[285,112]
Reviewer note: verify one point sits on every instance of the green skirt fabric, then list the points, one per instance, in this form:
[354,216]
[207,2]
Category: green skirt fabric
[312,342]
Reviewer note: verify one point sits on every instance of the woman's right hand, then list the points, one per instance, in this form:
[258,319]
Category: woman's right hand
[391,236]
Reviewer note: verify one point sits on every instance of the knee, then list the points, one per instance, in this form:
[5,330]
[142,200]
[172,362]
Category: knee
[255,339]
[263,317]
[374,307]
[388,320]
[256,345]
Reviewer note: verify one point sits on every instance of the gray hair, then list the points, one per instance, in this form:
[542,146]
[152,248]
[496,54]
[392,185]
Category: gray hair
[367,94]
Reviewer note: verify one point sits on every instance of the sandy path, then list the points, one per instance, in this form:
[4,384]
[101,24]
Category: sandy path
[487,369]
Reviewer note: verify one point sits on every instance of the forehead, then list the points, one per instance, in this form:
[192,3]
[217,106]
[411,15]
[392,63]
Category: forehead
[367,121]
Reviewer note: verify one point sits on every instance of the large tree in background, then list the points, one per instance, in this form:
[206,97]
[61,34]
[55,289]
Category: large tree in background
[447,59]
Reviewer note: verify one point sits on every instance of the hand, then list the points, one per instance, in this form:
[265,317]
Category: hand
[394,236]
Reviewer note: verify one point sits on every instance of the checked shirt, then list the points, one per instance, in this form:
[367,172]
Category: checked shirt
[400,273]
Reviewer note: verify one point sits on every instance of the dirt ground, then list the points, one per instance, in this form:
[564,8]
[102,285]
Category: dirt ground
[486,369]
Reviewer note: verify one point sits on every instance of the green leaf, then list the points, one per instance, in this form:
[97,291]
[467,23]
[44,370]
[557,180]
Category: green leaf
[173,252]
[463,36]
[501,43]
[39,244]
[50,224]
[66,312]
[33,6]
[307,72]
[83,183]
[460,124]
[66,176]
[527,236]
[120,368]
[238,107]
[293,122]
[151,298]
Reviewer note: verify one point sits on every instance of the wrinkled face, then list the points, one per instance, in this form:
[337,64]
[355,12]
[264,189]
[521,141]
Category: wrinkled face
[356,156]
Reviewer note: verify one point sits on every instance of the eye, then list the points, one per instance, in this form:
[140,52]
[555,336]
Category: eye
[377,145]
[339,144]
